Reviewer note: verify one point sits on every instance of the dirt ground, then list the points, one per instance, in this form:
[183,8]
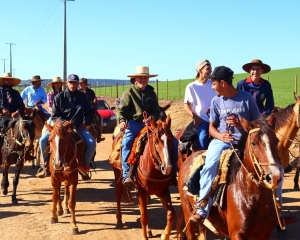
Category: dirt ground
[96,208]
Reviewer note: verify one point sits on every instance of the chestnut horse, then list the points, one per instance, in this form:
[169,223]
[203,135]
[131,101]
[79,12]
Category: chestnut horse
[286,123]
[67,150]
[18,138]
[253,175]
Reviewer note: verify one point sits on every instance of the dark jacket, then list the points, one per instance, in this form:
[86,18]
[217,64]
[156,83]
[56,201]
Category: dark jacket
[73,106]
[11,99]
[262,94]
[134,102]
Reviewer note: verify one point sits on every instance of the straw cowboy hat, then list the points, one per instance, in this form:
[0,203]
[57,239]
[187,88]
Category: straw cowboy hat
[256,62]
[36,78]
[56,80]
[140,71]
[7,75]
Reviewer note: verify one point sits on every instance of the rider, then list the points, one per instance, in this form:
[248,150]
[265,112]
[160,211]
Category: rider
[139,98]
[197,98]
[56,85]
[93,100]
[258,87]
[11,103]
[72,104]
[226,109]
[36,95]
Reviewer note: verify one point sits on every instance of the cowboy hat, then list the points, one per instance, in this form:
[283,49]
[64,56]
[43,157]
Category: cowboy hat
[56,80]
[84,80]
[7,75]
[36,78]
[140,71]
[256,62]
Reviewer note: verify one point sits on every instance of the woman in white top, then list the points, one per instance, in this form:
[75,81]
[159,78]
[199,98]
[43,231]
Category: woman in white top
[197,98]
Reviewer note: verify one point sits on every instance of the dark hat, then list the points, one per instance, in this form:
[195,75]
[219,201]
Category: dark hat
[256,62]
[36,78]
[73,77]
[84,80]
[221,73]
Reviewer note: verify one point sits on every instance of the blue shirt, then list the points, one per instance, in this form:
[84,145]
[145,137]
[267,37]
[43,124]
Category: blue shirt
[34,95]
[242,105]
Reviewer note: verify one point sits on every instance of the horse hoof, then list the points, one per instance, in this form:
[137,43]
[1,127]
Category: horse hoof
[149,234]
[164,237]
[74,231]
[60,213]
[4,191]
[14,202]
[66,211]
[53,220]
[119,226]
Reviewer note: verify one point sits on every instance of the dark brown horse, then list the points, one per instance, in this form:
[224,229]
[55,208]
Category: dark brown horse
[286,123]
[17,140]
[67,150]
[253,176]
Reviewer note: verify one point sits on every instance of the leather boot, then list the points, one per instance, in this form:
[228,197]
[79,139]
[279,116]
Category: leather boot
[128,183]
[100,138]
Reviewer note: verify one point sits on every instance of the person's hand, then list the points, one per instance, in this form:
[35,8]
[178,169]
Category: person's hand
[197,121]
[233,121]
[226,137]
[37,103]
[5,111]
[123,126]
[15,114]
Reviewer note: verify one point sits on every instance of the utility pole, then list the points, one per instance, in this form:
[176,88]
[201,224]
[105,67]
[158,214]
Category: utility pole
[10,56]
[4,63]
[65,42]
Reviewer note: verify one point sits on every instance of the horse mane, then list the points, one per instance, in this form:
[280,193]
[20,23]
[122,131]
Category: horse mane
[241,146]
[59,130]
[282,117]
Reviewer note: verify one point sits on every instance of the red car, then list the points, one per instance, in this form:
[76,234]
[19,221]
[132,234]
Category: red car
[108,115]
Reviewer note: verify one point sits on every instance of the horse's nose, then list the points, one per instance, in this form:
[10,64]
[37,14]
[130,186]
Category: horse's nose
[274,178]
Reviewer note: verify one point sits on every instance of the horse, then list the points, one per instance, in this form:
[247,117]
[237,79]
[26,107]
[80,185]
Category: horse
[17,140]
[253,174]
[67,150]
[286,123]
[121,191]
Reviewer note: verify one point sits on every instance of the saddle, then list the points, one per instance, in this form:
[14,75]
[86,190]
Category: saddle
[192,181]
[188,138]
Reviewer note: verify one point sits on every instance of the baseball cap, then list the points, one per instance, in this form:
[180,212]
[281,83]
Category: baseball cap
[200,65]
[221,73]
[73,77]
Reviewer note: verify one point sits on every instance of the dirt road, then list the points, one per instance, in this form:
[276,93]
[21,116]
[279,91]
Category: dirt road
[96,208]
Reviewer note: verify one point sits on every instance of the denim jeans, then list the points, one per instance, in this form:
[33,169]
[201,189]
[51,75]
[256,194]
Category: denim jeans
[87,138]
[203,134]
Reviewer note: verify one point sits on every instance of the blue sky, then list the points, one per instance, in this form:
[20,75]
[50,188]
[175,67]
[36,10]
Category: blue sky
[109,38]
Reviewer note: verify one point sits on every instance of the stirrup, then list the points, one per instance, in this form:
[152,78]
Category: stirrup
[42,172]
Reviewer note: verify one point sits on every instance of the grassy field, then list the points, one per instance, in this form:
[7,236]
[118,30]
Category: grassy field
[282,81]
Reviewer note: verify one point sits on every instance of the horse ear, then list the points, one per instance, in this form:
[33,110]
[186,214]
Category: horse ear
[297,98]
[166,107]
[34,112]
[68,124]
[245,124]
[49,128]
[22,113]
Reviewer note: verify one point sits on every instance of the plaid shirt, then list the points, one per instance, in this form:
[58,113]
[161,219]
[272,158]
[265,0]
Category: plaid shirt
[50,97]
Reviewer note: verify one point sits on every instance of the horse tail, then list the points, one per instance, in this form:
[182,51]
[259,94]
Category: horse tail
[180,225]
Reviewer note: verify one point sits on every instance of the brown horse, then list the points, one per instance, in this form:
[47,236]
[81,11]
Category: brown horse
[286,123]
[18,139]
[67,150]
[248,197]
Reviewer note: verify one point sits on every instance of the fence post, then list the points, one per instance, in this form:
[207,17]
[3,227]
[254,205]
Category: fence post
[117,89]
[111,89]
[178,89]
[296,83]
[123,85]
[156,82]
[105,89]
[167,90]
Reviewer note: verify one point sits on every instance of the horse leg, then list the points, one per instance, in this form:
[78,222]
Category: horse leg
[55,198]
[119,193]
[296,179]
[190,232]
[66,199]
[142,197]
[72,205]
[15,185]
[4,182]
[38,157]
[165,199]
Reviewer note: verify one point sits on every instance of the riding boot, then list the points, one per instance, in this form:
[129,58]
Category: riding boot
[128,183]
[43,171]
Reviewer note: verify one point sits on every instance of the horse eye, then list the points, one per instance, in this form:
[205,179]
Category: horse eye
[254,144]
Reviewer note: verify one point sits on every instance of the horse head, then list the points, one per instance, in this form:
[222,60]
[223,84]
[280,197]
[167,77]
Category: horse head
[261,154]
[162,143]
[61,144]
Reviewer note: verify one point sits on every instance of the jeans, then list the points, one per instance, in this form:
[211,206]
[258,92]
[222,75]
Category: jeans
[87,138]
[44,111]
[203,134]
[210,170]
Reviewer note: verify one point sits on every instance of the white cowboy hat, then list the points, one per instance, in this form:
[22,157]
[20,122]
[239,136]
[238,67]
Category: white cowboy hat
[56,80]
[141,71]
[7,75]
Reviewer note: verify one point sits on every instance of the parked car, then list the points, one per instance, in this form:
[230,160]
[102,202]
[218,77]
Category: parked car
[109,117]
